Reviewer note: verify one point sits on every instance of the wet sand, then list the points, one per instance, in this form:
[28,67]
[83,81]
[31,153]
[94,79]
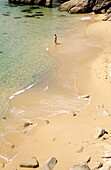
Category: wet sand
[65,133]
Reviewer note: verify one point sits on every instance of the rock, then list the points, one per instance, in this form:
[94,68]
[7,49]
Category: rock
[105,167]
[109,11]
[47,121]
[107,155]
[4,117]
[30,163]
[80,167]
[47,3]
[85,6]
[86,161]
[27,124]
[2,165]
[12,146]
[100,132]
[83,162]
[100,106]
[74,114]
[80,149]
[104,112]
[85,96]
[97,165]
[49,164]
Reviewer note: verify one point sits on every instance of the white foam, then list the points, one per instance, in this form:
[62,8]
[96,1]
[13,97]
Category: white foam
[47,49]
[85,18]
[46,88]
[21,91]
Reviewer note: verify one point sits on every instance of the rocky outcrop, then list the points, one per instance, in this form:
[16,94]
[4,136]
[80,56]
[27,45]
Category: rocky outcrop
[86,6]
[47,3]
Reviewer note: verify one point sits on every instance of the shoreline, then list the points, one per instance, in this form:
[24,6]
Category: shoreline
[63,136]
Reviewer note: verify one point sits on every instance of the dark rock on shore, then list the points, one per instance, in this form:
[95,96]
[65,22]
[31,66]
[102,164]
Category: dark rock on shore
[86,6]
[47,3]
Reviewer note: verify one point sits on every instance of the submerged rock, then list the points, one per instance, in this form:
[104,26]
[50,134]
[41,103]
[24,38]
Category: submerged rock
[47,3]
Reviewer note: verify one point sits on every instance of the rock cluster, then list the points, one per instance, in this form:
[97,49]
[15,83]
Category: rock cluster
[86,6]
[47,3]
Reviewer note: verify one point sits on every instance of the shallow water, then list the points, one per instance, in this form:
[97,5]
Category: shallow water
[32,83]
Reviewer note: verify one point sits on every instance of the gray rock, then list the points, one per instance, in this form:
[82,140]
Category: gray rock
[80,149]
[100,132]
[2,165]
[104,112]
[97,165]
[30,163]
[49,164]
[80,167]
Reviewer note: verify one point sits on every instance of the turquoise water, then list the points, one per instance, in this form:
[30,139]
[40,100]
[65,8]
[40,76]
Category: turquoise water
[23,39]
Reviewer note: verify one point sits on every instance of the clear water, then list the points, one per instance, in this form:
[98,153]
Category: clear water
[23,59]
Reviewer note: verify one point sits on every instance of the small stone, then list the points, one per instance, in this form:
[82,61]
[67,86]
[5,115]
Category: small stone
[100,106]
[74,114]
[2,165]
[47,121]
[53,139]
[86,161]
[105,167]
[100,133]
[83,162]
[49,164]
[80,149]
[107,155]
[104,112]
[80,167]
[85,96]
[30,163]
[97,165]
[4,117]
[27,124]
[12,146]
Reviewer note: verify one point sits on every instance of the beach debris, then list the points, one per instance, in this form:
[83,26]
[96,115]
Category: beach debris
[27,124]
[80,167]
[86,161]
[31,162]
[85,96]
[49,164]
[100,106]
[2,165]
[80,149]
[47,121]
[104,112]
[100,132]
[97,165]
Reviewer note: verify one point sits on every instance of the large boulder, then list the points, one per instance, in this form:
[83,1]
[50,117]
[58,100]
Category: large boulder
[47,3]
[86,6]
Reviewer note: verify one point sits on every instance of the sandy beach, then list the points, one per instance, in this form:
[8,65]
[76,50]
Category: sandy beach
[62,136]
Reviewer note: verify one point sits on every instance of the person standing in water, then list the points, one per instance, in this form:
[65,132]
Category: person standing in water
[55,38]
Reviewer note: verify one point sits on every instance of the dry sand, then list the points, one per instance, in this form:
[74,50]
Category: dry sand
[65,133]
